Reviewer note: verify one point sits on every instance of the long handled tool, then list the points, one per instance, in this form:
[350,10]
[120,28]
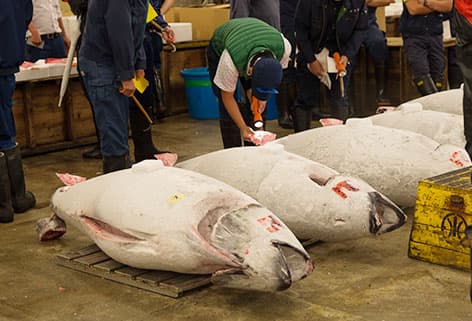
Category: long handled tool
[141,108]
[341,71]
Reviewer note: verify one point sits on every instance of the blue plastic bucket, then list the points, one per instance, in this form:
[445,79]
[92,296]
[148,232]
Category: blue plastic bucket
[201,102]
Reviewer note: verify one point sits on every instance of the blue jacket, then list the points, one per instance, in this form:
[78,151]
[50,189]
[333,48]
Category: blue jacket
[315,19]
[157,4]
[15,15]
[421,25]
[114,33]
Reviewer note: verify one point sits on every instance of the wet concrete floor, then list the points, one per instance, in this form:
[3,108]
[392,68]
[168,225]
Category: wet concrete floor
[367,279]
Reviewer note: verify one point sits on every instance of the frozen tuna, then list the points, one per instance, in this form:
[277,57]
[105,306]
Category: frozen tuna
[314,201]
[444,128]
[391,160]
[156,217]
[448,101]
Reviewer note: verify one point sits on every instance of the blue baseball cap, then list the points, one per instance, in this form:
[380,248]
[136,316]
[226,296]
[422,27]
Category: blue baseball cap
[266,77]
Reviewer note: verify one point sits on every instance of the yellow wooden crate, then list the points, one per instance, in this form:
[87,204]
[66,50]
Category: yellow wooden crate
[442,212]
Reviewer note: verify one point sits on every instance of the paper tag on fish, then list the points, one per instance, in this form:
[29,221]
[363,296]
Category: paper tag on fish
[176,197]
[459,159]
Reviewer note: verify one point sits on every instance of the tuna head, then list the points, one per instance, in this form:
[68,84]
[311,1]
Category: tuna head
[355,209]
[270,256]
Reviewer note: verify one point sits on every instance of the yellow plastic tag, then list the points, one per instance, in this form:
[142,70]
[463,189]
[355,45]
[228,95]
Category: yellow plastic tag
[176,197]
[151,14]
[141,84]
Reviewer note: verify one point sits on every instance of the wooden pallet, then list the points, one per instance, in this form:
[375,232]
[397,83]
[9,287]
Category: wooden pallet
[93,261]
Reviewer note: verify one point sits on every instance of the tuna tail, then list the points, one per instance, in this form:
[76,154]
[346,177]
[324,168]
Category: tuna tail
[385,216]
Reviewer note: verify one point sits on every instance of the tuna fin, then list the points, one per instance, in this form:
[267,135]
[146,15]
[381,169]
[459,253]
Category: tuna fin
[319,179]
[70,180]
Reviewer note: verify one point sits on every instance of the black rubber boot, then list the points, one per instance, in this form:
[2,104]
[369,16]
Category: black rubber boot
[439,83]
[454,76]
[380,77]
[115,163]
[425,85]
[230,134]
[21,199]
[285,100]
[301,118]
[6,209]
[141,133]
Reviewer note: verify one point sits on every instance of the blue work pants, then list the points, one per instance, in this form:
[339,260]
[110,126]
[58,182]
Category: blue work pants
[7,122]
[111,108]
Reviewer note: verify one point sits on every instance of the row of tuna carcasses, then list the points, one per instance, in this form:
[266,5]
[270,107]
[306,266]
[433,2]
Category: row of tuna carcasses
[216,230]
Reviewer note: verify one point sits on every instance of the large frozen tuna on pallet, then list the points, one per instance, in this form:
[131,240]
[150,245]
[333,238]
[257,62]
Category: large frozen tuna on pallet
[314,201]
[164,218]
[389,159]
[448,101]
[444,128]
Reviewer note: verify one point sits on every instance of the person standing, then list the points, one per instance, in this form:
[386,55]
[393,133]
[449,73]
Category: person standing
[265,10]
[14,19]
[421,25]
[249,50]
[463,27]
[334,25]
[47,36]
[111,55]
[141,131]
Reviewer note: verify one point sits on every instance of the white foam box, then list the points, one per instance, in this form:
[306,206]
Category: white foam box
[183,31]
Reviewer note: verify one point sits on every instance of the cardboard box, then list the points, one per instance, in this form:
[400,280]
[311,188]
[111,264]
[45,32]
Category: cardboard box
[442,212]
[204,20]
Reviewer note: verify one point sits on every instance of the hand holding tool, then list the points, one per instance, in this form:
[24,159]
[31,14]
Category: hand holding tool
[341,71]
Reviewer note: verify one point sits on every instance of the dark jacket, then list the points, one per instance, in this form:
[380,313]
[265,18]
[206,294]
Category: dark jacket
[114,33]
[463,27]
[15,15]
[421,25]
[313,20]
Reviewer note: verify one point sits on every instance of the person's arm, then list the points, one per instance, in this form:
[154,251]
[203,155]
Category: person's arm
[423,7]
[120,35]
[231,106]
[379,3]
[167,5]
[302,30]
[63,33]
[35,36]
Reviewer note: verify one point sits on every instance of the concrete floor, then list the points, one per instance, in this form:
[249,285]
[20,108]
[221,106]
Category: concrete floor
[367,279]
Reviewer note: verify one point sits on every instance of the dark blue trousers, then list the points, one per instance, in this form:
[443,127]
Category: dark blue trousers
[7,122]
[53,48]
[110,106]
[425,54]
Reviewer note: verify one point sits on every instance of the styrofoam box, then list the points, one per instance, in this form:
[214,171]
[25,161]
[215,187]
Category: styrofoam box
[183,31]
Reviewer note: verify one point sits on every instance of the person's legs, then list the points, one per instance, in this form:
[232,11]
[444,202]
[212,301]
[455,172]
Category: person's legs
[21,200]
[416,50]
[308,95]
[111,112]
[437,61]
[230,133]
[377,46]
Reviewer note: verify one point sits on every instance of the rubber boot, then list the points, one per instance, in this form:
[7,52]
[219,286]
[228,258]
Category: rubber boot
[285,100]
[115,163]
[454,76]
[439,83]
[6,209]
[301,118]
[142,135]
[425,85]
[21,199]
[380,77]
[230,134]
